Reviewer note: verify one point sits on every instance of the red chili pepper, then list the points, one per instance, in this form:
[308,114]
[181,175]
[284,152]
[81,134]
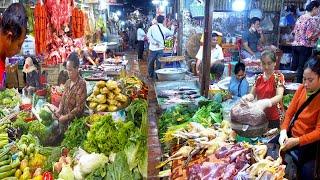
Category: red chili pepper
[47,176]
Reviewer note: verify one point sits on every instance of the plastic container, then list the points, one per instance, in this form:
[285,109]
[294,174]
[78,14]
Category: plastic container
[171,74]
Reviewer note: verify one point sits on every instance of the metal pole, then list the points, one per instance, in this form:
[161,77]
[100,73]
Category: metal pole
[180,27]
[206,56]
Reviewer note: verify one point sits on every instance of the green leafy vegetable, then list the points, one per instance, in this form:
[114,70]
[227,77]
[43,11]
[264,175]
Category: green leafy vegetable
[76,133]
[20,123]
[36,128]
[46,117]
[106,136]
[175,116]
[119,170]
[287,99]
[205,114]
[136,110]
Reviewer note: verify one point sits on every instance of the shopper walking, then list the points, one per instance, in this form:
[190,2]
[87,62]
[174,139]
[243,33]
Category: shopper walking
[306,32]
[156,35]
[141,36]
[13,29]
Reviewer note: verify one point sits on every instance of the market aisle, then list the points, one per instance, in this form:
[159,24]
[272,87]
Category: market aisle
[154,149]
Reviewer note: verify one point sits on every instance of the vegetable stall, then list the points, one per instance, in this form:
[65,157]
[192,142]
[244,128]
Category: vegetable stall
[109,142]
[198,143]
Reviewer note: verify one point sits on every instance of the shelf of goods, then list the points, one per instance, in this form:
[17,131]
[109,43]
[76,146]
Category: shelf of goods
[94,146]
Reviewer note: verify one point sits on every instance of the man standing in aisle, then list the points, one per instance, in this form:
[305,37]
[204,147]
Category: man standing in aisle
[252,39]
[156,35]
[141,36]
[13,29]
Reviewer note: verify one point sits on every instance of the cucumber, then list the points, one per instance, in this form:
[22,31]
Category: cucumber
[15,163]
[4,152]
[10,178]
[5,162]
[5,157]
[4,169]
[7,173]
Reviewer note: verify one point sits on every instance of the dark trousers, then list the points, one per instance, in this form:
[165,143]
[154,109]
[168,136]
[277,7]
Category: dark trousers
[301,55]
[140,49]
[154,58]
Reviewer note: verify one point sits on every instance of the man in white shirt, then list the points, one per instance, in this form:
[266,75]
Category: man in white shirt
[216,62]
[141,35]
[156,35]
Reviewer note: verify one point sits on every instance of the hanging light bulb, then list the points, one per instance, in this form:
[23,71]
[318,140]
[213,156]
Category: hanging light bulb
[239,5]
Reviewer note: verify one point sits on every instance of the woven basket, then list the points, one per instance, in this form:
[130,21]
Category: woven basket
[172,58]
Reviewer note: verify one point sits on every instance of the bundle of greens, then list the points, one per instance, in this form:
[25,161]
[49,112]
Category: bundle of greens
[106,136]
[137,110]
[175,116]
[208,114]
[136,149]
[76,133]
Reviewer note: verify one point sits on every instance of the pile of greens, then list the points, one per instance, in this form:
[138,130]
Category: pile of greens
[9,98]
[76,133]
[287,99]
[208,113]
[137,110]
[106,136]
[175,116]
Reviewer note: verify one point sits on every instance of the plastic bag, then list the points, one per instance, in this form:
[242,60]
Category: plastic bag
[267,24]
[247,114]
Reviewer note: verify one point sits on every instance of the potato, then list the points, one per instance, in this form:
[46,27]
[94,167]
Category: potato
[104,90]
[112,108]
[111,85]
[121,98]
[116,91]
[102,107]
[101,99]
[110,95]
[119,105]
[91,97]
[101,84]
[93,105]
[112,102]
[96,90]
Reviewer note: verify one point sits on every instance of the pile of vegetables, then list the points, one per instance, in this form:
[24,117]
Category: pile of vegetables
[112,149]
[176,115]
[107,96]
[9,98]
[208,113]
[76,133]
[106,136]
[134,88]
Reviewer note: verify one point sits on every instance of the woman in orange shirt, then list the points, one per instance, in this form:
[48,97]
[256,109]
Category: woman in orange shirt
[304,132]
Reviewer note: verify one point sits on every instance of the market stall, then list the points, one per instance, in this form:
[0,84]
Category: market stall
[112,136]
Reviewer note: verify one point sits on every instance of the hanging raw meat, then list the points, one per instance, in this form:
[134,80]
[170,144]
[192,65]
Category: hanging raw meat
[77,23]
[40,17]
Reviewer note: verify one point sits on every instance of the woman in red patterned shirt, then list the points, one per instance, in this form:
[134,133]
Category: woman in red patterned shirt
[268,89]
[306,32]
